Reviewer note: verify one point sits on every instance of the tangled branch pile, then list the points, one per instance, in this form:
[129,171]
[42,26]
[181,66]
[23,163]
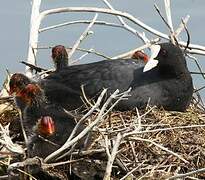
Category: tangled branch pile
[150,144]
[143,144]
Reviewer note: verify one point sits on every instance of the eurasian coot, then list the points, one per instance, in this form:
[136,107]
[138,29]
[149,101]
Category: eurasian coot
[169,84]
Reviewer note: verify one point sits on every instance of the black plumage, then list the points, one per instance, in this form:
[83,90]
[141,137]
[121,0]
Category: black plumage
[169,84]
[37,108]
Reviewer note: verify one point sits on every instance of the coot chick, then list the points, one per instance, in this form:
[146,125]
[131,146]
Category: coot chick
[169,84]
[47,126]
[140,56]
[18,82]
[60,57]
[47,120]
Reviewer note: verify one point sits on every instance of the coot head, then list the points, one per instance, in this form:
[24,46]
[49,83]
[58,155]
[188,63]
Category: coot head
[17,82]
[60,57]
[140,55]
[169,60]
[31,94]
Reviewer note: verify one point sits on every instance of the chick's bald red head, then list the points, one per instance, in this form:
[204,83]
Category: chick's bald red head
[30,93]
[17,82]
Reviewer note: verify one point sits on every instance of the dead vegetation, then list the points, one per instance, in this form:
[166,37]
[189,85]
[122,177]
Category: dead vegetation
[145,144]
[139,144]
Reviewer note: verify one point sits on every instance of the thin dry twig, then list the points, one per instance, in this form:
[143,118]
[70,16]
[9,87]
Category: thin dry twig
[202,170]
[5,139]
[89,127]
[181,26]
[111,157]
[84,34]
[159,146]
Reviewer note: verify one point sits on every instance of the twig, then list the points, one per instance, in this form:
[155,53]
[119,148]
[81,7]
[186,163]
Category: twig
[158,11]
[84,34]
[167,6]
[5,139]
[126,26]
[197,64]
[37,161]
[33,67]
[168,12]
[201,73]
[88,152]
[162,129]
[69,143]
[98,120]
[44,165]
[80,22]
[130,53]
[112,156]
[80,58]
[22,127]
[119,97]
[133,170]
[199,89]
[194,47]
[107,145]
[181,26]
[159,146]
[33,37]
[94,107]
[93,51]
[104,23]
[85,97]
[130,143]
[7,98]
[188,36]
[202,170]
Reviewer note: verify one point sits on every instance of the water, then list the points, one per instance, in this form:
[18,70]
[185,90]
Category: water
[15,20]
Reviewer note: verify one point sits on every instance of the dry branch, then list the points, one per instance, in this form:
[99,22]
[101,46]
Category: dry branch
[84,34]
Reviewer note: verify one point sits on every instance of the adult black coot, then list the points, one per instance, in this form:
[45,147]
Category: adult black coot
[169,84]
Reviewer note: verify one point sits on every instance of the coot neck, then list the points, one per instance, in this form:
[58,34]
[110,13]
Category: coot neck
[61,64]
[30,116]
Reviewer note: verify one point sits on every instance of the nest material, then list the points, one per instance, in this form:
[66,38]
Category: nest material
[161,144]
[150,152]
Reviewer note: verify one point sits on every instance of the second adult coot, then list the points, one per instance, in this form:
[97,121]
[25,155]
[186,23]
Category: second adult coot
[169,84]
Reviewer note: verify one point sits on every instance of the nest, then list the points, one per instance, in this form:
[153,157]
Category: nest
[145,144]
